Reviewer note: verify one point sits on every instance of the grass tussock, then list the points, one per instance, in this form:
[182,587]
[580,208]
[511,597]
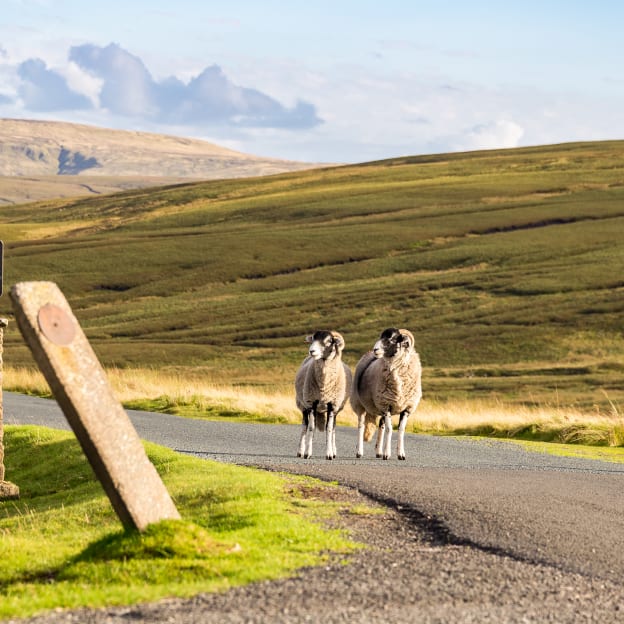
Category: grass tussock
[62,546]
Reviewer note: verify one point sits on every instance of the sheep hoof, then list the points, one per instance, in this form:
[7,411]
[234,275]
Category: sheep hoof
[358,455]
[402,457]
[386,457]
[378,456]
[298,454]
[307,456]
[329,457]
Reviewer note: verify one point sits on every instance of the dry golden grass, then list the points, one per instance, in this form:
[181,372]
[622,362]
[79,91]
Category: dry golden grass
[476,417]
[135,385]
[25,380]
[544,422]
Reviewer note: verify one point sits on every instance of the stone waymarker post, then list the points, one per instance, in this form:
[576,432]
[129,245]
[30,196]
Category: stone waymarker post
[7,489]
[81,388]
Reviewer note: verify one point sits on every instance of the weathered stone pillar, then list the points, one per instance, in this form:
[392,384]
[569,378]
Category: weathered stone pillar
[83,392]
[7,490]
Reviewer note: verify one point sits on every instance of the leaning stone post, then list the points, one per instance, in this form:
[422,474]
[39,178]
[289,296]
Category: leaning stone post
[83,392]
[7,490]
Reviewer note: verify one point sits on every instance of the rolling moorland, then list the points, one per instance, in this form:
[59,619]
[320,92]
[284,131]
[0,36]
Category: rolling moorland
[507,265]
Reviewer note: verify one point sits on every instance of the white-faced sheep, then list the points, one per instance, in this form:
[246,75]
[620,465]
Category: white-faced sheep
[322,386]
[387,381]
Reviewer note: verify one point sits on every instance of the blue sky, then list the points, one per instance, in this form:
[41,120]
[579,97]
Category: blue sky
[324,81]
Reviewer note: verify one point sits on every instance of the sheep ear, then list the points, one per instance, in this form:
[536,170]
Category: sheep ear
[309,339]
[407,336]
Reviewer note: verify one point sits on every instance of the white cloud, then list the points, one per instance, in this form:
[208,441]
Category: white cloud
[117,83]
[367,114]
[126,85]
[493,135]
[45,90]
[83,82]
[128,88]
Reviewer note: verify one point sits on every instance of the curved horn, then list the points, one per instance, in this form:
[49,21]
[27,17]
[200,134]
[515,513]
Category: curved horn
[406,333]
[340,343]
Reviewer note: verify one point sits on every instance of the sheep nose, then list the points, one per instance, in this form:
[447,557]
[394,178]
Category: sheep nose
[378,350]
[314,352]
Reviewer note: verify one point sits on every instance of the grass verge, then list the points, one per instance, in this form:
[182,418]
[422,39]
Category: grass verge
[606,454]
[546,423]
[184,394]
[62,545]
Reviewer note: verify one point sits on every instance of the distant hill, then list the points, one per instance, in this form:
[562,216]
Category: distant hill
[46,159]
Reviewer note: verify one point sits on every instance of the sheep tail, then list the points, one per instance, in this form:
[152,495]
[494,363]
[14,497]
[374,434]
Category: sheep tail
[369,428]
[320,421]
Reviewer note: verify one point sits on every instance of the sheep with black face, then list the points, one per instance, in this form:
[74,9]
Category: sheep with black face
[322,386]
[387,381]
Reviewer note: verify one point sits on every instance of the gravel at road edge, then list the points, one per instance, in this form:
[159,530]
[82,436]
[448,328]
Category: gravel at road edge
[405,575]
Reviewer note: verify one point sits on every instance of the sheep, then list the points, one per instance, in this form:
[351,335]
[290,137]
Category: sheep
[387,381]
[322,386]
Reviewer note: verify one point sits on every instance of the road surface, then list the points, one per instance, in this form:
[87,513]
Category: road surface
[541,537]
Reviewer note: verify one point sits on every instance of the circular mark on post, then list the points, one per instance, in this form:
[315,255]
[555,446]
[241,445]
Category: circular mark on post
[56,325]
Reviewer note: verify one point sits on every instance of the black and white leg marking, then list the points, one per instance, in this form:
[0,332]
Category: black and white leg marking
[330,433]
[380,437]
[401,437]
[305,419]
[388,435]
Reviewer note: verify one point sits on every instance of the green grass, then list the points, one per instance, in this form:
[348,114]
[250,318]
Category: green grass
[507,265]
[586,434]
[200,407]
[61,544]
[614,455]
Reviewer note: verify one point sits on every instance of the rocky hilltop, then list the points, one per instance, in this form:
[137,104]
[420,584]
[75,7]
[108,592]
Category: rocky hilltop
[47,159]
[45,148]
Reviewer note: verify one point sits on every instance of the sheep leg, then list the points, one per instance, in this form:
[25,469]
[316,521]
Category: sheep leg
[310,432]
[380,437]
[401,441]
[304,428]
[388,437]
[359,451]
[330,433]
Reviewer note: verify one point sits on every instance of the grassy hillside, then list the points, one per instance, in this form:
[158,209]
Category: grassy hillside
[21,189]
[508,266]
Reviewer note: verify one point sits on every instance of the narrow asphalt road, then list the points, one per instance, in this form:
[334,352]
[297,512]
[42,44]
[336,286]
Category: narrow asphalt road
[548,532]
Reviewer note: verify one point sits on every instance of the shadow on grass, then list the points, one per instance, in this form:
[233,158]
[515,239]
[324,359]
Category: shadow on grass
[165,539]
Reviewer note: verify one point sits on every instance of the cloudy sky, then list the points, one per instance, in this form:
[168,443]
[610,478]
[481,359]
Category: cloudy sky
[322,80]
